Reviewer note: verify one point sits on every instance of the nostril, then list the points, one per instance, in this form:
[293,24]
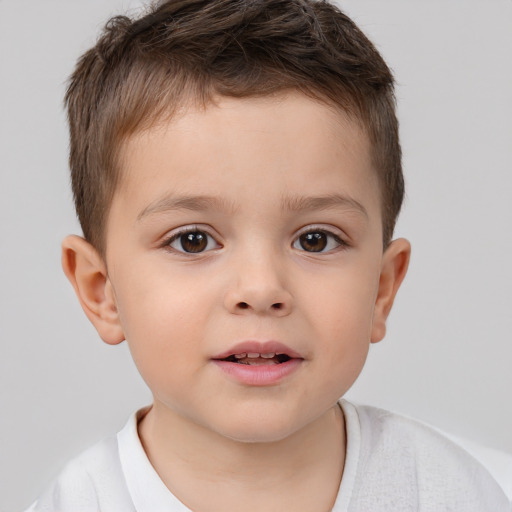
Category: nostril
[276,306]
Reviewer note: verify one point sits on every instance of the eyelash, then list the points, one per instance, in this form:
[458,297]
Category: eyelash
[331,237]
[167,243]
[340,243]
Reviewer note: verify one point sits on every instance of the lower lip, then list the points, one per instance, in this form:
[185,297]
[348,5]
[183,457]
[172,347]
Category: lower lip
[259,375]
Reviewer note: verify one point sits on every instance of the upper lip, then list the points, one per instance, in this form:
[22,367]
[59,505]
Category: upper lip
[258,347]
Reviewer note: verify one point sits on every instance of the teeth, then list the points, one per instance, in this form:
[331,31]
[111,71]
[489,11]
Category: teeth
[254,355]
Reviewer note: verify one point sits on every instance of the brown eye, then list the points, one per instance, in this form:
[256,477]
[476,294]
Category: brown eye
[192,242]
[318,241]
[313,242]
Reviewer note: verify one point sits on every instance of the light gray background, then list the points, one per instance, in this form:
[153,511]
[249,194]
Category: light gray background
[447,356]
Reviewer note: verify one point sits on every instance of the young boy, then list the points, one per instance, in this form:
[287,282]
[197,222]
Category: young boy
[236,171]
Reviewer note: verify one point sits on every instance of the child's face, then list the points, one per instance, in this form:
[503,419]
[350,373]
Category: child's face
[279,201]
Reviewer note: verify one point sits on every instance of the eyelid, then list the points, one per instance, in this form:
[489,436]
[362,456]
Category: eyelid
[183,230]
[330,231]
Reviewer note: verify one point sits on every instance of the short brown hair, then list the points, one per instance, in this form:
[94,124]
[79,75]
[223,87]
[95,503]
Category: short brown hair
[143,69]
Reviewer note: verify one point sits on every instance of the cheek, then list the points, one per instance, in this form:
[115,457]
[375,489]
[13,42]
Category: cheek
[342,315]
[164,320]
[343,335]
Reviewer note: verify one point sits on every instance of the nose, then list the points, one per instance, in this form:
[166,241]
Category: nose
[258,287]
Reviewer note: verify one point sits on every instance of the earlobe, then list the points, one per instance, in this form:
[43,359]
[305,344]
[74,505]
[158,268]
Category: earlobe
[87,272]
[394,267]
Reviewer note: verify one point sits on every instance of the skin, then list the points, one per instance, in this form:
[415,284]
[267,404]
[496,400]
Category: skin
[213,440]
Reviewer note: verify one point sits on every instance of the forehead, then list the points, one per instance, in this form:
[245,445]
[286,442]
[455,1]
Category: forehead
[280,144]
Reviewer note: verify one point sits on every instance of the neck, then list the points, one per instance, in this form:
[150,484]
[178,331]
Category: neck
[208,471]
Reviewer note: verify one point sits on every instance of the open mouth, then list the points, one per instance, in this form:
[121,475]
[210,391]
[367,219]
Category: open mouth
[255,359]
[252,363]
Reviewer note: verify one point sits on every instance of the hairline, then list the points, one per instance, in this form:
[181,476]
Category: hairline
[160,116]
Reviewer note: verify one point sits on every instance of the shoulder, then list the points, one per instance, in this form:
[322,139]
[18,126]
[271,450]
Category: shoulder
[407,463]
[90,482]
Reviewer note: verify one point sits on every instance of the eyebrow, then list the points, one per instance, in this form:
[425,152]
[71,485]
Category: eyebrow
[331,201]
[294,204]
[193,203]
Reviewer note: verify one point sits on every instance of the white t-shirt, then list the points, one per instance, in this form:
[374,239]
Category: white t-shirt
[393,464]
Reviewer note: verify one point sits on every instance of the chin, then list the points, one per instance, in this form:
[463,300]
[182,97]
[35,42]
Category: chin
[256,428]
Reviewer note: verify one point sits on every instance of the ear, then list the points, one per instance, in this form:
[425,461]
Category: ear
[87,272]
[394,267]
